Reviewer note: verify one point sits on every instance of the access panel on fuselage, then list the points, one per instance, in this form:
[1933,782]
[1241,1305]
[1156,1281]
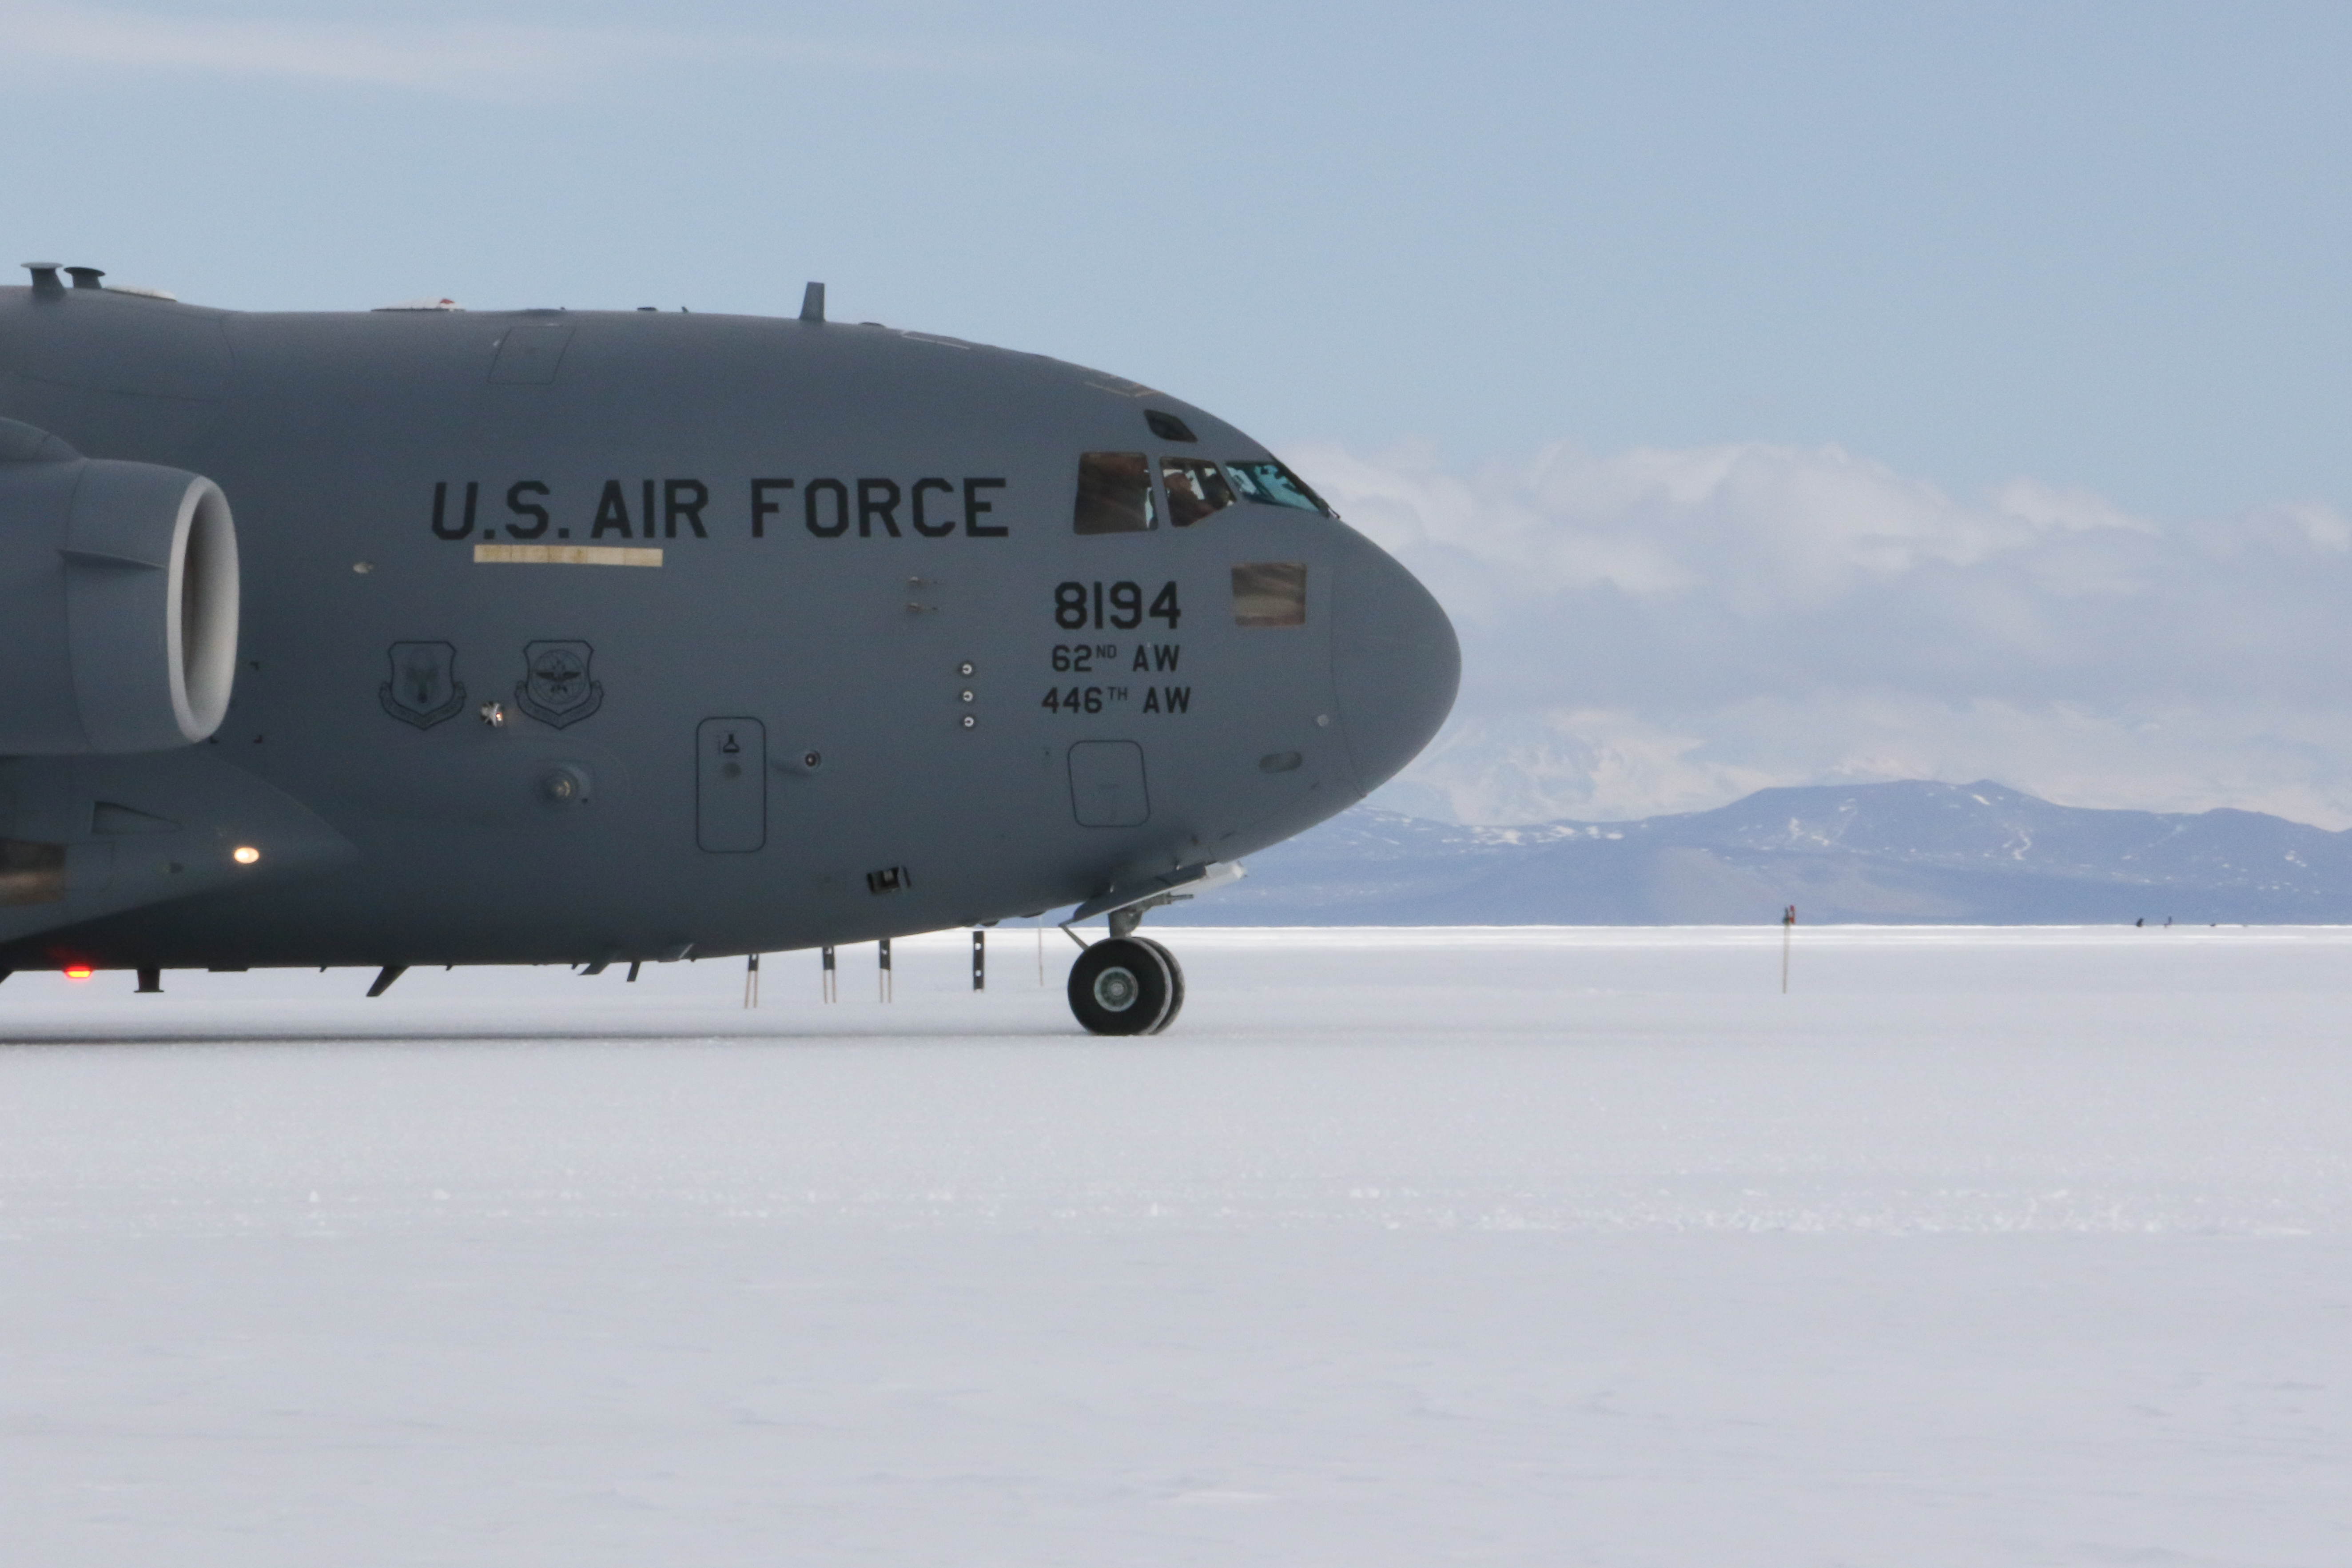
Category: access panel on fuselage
[1107,785]
[731,785]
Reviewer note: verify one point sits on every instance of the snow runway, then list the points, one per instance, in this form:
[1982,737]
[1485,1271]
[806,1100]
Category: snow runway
[1519,1246]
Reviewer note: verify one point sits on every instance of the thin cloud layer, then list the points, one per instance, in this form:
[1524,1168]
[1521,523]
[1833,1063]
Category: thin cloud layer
[1665,630]
[465,59]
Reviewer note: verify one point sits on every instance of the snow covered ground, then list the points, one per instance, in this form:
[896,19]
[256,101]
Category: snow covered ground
[1522,1246]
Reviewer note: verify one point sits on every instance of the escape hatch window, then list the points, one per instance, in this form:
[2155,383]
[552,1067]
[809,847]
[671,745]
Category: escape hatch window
[31,873]
[1270,593]
[1270,484]
[1115,493]
[1195,489]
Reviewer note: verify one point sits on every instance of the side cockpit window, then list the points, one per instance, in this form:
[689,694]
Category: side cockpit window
[1270,484]
[1195,489]
[1270,593]
[1115,493]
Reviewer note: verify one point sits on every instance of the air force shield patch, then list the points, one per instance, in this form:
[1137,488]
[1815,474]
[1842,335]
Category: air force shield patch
[555,687]
[424,689]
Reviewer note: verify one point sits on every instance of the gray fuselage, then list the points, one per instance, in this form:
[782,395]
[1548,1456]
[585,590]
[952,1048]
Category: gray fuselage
[858,696]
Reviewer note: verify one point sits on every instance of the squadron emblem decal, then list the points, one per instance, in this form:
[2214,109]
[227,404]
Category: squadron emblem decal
[424,689]
[555,689]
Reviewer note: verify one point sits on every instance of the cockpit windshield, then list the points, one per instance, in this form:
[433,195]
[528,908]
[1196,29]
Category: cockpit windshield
[1116,494]
[1270,484]
[1195,489]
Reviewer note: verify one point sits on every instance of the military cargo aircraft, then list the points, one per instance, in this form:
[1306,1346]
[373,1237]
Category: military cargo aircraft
[432,636]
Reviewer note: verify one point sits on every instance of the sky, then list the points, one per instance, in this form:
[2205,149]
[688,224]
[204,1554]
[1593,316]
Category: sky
[1775,393]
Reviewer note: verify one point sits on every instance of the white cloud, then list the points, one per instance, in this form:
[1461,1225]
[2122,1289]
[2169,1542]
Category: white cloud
[1666,630]
[1591,764]
[465,58]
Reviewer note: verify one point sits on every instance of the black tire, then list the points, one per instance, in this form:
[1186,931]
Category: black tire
[1121,986]
[1175,984]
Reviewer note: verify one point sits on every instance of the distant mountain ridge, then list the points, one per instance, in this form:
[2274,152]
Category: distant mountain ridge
[1908,853]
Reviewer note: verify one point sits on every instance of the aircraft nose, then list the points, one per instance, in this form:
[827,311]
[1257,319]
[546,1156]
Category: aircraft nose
[1394,661]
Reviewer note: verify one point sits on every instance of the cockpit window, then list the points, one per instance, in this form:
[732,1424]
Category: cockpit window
[1115,493]
[1270,484]
[1195,489]
[1270,593]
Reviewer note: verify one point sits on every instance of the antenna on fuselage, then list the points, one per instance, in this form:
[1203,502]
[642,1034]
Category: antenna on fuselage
[813,302]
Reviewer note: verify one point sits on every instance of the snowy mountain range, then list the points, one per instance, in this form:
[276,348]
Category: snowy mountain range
[1908,853]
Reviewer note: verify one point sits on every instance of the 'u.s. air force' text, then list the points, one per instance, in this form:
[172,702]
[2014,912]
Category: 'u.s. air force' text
[685,509]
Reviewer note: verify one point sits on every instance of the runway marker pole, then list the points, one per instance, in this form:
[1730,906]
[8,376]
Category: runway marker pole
[831,976]
[980,960]
[752,980]
[883,975]
[1788,930]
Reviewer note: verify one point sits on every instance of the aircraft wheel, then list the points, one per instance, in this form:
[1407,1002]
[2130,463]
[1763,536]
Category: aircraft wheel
[1175,984]
[1121,987]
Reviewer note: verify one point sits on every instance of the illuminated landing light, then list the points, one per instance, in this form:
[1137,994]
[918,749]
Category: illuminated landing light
[77,972]
[244,854]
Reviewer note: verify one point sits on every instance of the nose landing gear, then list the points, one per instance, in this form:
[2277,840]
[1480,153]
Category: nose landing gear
[1130,985]
[1127,986]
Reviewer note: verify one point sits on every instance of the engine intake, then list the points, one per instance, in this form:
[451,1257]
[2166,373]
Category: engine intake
[118,601]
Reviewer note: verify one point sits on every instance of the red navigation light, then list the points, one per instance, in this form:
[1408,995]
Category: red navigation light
[77,972]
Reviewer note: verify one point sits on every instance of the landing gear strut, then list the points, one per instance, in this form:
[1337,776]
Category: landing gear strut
[1127,986]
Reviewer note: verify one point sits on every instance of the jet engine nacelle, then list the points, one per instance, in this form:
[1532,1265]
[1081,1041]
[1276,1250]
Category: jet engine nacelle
[118,601]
